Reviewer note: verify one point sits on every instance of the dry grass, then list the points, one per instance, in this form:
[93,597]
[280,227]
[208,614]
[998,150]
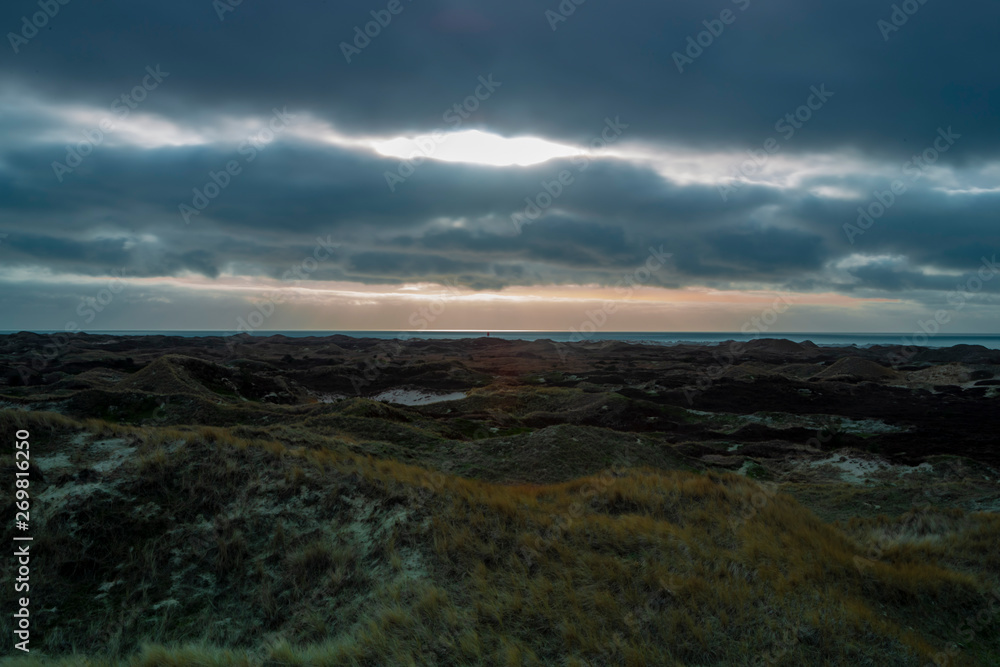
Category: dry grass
[317,556]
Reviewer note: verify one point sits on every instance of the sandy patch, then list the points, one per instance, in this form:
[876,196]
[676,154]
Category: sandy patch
[401,396]
[417,396]
[49,463]
[858,470]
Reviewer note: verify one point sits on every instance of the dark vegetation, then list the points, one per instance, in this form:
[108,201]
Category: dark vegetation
[197,501]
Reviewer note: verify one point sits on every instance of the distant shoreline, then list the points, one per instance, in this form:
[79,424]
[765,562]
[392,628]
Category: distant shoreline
[861,340]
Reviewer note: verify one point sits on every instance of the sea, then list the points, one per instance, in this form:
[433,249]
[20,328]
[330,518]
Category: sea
[860,340]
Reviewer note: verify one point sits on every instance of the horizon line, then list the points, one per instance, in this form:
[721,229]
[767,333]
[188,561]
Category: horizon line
[497,331]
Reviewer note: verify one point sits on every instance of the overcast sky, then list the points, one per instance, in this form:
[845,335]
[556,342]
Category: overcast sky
[185,164]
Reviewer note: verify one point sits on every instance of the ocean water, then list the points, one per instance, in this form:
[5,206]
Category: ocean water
[991,341]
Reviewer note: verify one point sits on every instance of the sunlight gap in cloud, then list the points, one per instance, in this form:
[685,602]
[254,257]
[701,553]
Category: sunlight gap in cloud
[476,147]
[827,175]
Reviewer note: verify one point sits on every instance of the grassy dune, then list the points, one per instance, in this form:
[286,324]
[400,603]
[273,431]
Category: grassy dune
[252,546]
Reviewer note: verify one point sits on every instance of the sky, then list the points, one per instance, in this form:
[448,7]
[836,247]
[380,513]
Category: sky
[446,164]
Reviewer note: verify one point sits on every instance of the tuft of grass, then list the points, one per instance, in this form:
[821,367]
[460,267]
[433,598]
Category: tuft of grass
[226,546]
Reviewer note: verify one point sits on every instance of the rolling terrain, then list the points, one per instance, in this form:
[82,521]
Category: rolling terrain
[343,501]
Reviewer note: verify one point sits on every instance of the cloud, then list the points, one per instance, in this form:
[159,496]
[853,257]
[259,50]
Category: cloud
[782,226]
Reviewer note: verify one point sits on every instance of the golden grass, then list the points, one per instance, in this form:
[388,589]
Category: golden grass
[634,567]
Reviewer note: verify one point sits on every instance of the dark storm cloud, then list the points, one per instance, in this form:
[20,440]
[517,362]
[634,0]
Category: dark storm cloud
[296,195]
[120,206]
[54,250]
[97,257]
[607,58]
[271,215]
[558,240]
[769,249]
